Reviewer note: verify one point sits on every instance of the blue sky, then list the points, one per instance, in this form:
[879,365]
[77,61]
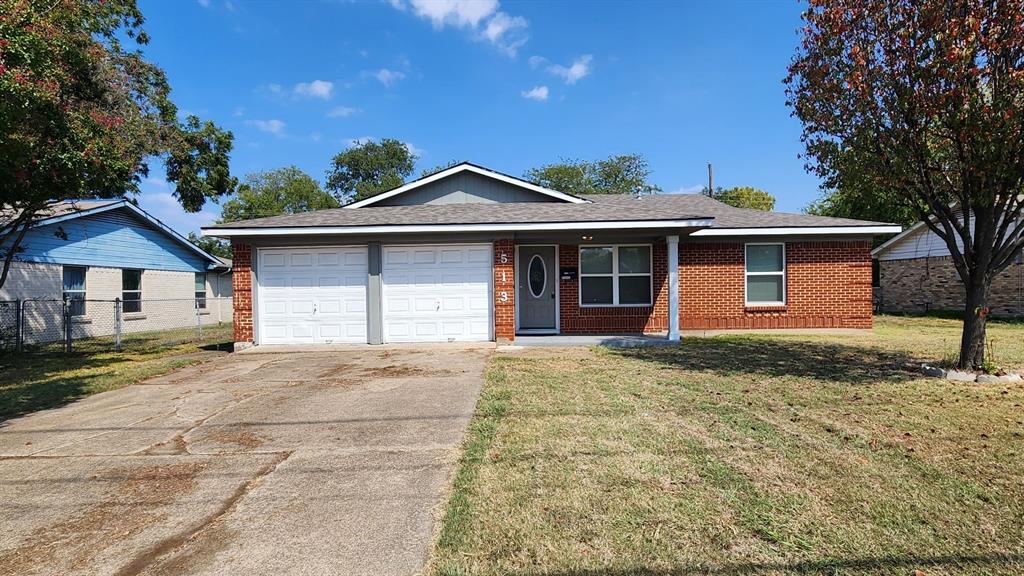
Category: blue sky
[509,85]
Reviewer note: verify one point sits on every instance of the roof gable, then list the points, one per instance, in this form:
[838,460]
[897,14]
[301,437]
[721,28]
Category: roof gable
[82,220]
[426,190]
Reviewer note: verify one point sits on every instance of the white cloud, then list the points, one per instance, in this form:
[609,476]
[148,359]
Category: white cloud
[538,93]
[316,89]
[506,32]
[537,61]
[275,127]
[343,112]
[274,88]
[387,77]
[239,111]
[579,69]
[204,3]
[695,189]
[461,13]
[414,149]
[156,197]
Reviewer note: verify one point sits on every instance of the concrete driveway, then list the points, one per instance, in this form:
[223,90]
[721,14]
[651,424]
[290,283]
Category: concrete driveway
[325,462]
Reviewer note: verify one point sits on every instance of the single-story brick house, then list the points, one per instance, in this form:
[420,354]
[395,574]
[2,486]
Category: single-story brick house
[472,254]
[916,274]
[96,251]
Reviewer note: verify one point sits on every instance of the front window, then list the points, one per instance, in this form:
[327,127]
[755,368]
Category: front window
[615,275]
[766,274]
[131,290]
[74,289]
[201,290]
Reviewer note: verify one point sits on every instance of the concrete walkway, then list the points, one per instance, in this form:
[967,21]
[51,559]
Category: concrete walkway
[334,462]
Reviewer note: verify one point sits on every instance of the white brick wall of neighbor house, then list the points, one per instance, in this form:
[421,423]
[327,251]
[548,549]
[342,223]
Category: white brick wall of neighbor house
[168,300]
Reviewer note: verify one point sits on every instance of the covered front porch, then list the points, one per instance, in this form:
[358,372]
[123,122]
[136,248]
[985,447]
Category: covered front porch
[607,288]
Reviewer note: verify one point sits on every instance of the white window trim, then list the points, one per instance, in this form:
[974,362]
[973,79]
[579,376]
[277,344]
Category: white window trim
[746,273]
[85,286]
[615,275]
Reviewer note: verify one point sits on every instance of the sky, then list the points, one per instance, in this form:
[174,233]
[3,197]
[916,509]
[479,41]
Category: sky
[508,85]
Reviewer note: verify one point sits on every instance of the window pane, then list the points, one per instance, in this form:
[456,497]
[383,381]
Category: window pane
[131,279]
[596,290]
[76,300]
[201,300]
[764,288]
[634,259]
[74,278]
[764,258]
[596,260]
[634,289]
[200,281]
[131,302]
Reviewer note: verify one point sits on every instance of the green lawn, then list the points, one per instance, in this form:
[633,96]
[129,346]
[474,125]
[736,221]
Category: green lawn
[743,455]
[46,377]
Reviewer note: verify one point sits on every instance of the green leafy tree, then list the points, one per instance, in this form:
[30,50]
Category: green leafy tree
[82,114]
[369,168]
[624,174]
[211,245]
[275,192]
[744,197]
[926,96]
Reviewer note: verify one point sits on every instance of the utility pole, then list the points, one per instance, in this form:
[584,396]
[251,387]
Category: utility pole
[711,180]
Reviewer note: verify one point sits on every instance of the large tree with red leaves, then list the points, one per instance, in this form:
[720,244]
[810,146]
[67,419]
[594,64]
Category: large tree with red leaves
[82,113]
[927,98]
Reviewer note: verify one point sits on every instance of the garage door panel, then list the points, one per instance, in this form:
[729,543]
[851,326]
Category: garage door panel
[312,295]
[436,293]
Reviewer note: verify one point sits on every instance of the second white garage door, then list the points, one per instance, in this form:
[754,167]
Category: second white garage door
[437,293]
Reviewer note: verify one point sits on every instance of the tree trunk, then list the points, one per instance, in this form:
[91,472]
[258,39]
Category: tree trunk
[972,342]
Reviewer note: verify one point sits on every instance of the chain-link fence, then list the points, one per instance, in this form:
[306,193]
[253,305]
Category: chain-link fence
[98,325]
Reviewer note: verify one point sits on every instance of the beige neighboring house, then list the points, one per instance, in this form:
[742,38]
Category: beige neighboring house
[916,274]
[95,252]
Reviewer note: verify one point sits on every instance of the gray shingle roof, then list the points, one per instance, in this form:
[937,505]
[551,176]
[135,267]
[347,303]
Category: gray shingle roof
[727,216]
[602,208]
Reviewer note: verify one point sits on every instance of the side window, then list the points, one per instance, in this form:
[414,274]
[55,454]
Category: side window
[201,290]
[131,291]
[74,289]
[766,274]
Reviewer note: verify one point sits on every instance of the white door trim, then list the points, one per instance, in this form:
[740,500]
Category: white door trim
[558,293]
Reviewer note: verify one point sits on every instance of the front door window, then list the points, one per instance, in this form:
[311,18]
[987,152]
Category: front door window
[538,275]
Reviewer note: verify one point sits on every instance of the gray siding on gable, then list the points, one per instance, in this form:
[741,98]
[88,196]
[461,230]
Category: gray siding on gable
[465,188]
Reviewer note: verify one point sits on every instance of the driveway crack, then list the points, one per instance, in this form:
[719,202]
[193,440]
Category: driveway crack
[172,543]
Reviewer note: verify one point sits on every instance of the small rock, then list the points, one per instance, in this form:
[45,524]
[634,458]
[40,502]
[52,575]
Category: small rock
[988,379]
[933,371]
[1010,378]
[958,376]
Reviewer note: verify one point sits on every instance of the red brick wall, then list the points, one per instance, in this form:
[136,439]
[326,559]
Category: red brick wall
[828,285]
[241,283]
[613,319]
[504,290]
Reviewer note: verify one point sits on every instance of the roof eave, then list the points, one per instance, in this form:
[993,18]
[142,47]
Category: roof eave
[801,230]
[483,227]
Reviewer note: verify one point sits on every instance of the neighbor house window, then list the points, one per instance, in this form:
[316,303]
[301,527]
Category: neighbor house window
[615,275]
[131,290]
[766,274]
[201,290]
[74,289]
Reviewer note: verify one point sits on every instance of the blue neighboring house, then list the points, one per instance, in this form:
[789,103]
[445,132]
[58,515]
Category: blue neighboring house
[96,251]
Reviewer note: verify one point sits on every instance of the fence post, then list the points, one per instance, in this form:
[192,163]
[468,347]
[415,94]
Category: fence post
[117,324]
[19,325]
[66,310]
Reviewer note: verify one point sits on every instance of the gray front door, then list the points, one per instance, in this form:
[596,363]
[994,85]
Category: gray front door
[536,291]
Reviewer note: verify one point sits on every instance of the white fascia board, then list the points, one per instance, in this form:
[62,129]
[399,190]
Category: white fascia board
[427,228]
[469,168]
[798,231]
[892,241]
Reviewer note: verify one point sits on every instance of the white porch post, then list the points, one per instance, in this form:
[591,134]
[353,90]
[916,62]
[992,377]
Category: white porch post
[673,288]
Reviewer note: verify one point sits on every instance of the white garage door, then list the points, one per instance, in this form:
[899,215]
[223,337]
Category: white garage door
[312,295]
[437,293]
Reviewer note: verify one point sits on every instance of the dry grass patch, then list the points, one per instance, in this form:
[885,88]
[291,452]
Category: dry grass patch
[743,455]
